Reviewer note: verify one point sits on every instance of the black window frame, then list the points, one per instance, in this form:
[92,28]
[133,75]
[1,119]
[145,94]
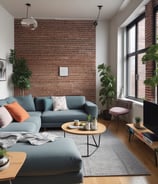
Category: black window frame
[135,53]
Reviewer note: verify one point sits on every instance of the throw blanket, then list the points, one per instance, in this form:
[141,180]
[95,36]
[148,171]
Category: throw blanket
[8,139]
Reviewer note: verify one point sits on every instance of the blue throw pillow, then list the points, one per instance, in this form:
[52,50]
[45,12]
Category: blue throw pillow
[39,102]
[48,104]
[26,102]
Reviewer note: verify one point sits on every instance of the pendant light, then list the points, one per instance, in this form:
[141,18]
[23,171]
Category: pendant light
[29,22]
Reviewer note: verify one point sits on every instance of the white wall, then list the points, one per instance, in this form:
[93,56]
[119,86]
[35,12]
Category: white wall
[107,44]
[102,41]
[116,50]
[6,43]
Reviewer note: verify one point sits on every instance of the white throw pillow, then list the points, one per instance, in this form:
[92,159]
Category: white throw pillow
[5,117]
[59,103]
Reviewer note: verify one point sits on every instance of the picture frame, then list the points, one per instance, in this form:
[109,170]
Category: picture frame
[63,71]
[3,70]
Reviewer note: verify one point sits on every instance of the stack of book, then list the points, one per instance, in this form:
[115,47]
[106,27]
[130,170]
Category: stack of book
[149,137]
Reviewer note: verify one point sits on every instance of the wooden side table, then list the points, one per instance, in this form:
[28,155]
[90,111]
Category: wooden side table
[16,161]
[139,134]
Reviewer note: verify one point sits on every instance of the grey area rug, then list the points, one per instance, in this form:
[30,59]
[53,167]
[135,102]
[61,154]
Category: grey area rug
[112,158]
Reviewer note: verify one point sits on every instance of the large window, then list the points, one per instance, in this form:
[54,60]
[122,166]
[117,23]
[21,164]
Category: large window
[135,77]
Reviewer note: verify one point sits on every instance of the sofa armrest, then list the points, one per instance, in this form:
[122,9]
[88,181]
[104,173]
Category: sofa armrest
[91,108]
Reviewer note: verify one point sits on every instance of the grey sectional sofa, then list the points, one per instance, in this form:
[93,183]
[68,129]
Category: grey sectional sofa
[56,162]
[42,114]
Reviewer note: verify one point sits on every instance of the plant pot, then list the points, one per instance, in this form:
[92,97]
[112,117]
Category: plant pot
[137,124]
[106,115]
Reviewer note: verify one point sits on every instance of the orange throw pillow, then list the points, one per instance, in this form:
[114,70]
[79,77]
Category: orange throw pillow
[17,111]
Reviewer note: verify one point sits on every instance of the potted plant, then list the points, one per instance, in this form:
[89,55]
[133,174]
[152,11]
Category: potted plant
[21,73]
[107,93]
[137,122]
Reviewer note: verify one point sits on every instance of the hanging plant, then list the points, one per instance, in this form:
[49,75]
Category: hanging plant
[152,55]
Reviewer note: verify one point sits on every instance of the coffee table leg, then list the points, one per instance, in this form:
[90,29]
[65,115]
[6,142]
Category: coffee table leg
[96,144]
[87,145]
[10,181]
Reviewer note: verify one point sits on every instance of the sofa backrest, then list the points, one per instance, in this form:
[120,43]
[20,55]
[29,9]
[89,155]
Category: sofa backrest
[75,102]
[27,102]
[44,103]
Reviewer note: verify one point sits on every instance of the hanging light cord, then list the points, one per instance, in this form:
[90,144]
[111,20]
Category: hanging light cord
[27,11]
[95,23]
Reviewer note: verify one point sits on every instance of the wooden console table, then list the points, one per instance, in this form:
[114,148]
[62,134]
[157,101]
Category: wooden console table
[133,131]
[16,161]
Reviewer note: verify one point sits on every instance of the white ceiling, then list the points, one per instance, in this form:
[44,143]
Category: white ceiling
[64,9]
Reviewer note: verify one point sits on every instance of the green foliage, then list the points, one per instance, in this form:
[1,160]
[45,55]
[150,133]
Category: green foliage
[12,57]
[152,55]
[3,151]
[21,73]
[107,91]
[89,118]
[137,119]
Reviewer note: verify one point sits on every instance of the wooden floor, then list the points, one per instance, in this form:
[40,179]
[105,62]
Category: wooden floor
[140,150]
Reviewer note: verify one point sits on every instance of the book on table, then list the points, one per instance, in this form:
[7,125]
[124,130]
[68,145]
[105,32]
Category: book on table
[150,137]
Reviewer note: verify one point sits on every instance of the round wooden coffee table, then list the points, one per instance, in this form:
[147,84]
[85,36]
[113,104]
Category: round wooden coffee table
[79,131]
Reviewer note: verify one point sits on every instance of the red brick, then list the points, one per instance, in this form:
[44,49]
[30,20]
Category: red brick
[58,43]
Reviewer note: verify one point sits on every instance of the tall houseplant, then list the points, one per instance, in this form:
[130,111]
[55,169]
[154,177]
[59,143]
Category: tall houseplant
[107,93]
[21,73]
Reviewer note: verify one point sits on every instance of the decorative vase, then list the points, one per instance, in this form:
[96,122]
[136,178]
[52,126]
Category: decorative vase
[88,125]
[4,162]
[94,124]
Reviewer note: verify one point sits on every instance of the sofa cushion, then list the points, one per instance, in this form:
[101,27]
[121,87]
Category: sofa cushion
[35,119]
[57,118]
[5,117]
[39,102]
[48,104]
[59,103]
[26,102]
[53,158]
[20,127]
[17,112]
[11,99]
[75,102]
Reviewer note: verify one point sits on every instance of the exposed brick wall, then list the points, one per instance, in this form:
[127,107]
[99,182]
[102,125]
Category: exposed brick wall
[58,43]
[149,36]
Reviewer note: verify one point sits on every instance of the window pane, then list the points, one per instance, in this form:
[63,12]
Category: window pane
[141,78]
[141,34]
[131,40]
[131,76]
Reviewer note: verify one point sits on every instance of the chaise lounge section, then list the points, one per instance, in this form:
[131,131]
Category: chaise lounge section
[54,162]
